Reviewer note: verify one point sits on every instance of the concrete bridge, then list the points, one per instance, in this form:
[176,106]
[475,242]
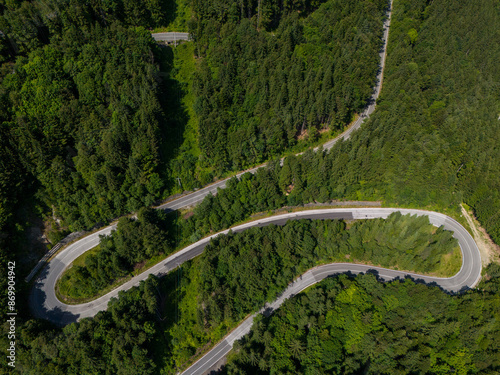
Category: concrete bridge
[171,37]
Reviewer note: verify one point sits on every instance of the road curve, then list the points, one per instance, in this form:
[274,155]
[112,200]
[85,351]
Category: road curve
[467,277]
[45,305]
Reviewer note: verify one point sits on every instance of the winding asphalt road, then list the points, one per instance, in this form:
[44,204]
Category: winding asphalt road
[45,304]
[191,199]
[468,276]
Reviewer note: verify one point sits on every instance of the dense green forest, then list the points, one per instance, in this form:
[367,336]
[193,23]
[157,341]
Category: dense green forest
[333,328]
[84,116]
[270,71]
[85,130]
[90,128]
[432,141]
[240,272]
[85,123]
[352,326]
[81,120]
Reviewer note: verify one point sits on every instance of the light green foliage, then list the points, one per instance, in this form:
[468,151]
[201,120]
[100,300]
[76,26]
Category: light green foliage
[343,327]
[413,35]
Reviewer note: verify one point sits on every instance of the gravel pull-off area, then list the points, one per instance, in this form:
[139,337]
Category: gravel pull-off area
[490,252]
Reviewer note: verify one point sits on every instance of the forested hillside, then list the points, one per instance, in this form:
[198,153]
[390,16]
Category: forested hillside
[81,107]
[352,326]
[90,130]
[85,135]
[435,134]
[81,124]
[162,324]
[432,142]
[240,272]
[271,72]
[434,137]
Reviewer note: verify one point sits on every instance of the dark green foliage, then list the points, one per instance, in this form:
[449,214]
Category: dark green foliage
[239,272]
[133,242]
[79,104]
[86,123]
[117,341]
[301,180]
[80,120]
[258,90]
[350,326]
[28,25]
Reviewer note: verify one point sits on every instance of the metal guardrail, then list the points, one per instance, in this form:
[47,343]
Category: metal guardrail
[171,37]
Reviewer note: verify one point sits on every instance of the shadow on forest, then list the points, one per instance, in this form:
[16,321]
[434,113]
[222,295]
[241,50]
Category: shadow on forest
[175,116]
[416,280]
[169,11]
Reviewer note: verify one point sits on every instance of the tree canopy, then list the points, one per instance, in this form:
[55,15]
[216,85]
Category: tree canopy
[272,70]
[348,326]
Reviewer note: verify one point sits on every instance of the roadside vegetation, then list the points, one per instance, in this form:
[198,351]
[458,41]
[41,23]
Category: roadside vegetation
[195,306]
[88,133]
[352,325]
[132,244]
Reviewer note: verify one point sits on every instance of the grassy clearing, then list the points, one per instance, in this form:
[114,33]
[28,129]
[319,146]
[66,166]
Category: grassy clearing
[451,263]
[184,69]
[64,285]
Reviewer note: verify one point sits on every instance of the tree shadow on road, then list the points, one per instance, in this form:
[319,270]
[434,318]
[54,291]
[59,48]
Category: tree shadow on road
[38,298]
